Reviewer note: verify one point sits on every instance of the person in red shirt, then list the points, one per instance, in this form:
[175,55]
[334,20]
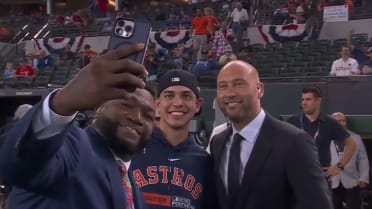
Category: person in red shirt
[24,70]
[212,21]
[199,33]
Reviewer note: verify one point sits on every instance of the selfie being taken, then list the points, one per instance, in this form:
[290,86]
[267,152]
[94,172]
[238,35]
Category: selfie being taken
[181,104]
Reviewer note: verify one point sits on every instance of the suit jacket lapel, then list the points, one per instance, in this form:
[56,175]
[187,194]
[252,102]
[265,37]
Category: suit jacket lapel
[219,146]
[260,152]
[111,168]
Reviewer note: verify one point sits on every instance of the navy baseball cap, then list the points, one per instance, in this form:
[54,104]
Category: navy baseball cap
[178,78]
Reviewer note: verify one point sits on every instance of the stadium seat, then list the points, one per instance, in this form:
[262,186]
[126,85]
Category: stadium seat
[41,81]
[340,42]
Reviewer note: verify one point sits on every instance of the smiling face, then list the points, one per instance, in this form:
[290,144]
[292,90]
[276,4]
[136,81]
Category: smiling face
[177,105]
[239,92]
[127,123]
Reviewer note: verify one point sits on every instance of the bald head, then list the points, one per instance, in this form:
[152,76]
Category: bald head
[340,118]
[240,66]
[239,92]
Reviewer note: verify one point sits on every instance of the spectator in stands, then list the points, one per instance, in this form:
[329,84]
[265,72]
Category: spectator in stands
[101,8]
[291,7]
[360,54]
[204,63]
[66,54]
[212,22]
[302,12]
[9,71]
[227,57]
[224,14]
[182,16]
[367,67]
[223,37]
[344,66]
[199,33]
[24,70]
[314,19]
[180,54]
[151,62]
[78,18]
[245,50]
[355,175]
[239,18]
[4,34]
[32,60]
[44,61]
[87,55]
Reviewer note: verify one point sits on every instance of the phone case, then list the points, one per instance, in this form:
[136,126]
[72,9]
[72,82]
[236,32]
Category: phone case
[140,34]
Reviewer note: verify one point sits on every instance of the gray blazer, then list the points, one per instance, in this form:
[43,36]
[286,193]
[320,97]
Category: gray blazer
[356,170]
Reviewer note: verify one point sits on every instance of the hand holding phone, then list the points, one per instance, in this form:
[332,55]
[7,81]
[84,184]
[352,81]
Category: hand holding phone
[127,31]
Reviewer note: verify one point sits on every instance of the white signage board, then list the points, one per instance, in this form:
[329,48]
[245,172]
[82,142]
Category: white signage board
[336,13]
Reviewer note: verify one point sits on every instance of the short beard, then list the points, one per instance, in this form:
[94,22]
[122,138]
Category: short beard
[109,130]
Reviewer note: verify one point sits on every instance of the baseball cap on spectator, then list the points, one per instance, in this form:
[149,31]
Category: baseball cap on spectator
[22,59]
[179,78]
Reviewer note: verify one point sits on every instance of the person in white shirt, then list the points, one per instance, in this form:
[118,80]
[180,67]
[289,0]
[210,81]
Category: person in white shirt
[355,175]
[344,66]
[239,17]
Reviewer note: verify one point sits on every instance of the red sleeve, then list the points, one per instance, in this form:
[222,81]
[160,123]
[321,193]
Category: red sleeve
[18,70]
[31,71]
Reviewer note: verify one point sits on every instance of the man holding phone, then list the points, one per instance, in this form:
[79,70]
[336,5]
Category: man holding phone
[173,171]
[52,163]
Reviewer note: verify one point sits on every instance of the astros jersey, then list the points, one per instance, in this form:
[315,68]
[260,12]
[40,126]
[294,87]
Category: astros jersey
[174,177]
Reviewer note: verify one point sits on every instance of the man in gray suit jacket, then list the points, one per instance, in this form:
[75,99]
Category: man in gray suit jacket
[355,176]
[261,162]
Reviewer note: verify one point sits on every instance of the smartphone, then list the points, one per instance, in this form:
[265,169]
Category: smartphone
[128,31]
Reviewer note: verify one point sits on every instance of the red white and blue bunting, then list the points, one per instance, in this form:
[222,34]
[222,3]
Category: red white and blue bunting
[170,39]
[283,33]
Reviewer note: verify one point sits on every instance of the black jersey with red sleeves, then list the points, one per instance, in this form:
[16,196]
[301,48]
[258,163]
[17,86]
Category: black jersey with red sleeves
[174,176]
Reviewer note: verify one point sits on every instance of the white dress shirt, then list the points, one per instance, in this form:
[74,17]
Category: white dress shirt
[249,133]
[46,123]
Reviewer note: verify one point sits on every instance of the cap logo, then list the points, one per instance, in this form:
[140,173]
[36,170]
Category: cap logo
[176,79]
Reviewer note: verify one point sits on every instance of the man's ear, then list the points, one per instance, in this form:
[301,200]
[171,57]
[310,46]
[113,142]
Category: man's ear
[260,89]
[199,104]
